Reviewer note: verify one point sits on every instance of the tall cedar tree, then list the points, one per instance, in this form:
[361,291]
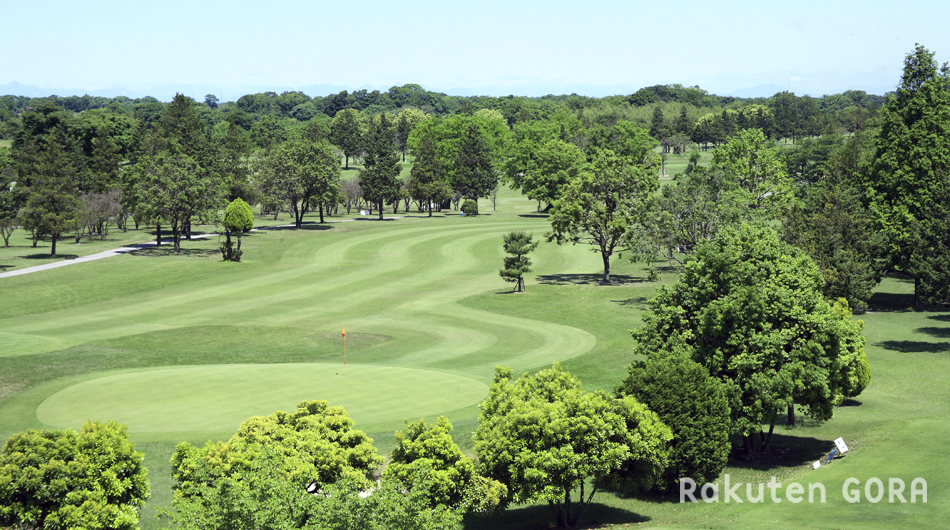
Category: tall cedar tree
[346,132]
[379,177]
[427,183]
[52,205]
[475,174]
[910,179]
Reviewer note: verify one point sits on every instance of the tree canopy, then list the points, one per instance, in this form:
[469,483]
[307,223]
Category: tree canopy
[545,438]
[750,309]
[62,479]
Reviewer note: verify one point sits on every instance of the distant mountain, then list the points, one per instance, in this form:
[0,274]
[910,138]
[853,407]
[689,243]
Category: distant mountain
[761,91]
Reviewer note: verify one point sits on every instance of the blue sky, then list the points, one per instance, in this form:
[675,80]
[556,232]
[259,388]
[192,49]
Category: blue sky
[488,47]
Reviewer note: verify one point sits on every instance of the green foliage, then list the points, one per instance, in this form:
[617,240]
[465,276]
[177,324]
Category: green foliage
[298,173]
[517,245]
[908,187]
[379,178]
[238,216]
[260,498]
[427,184]
[470,207]
[859,369]
[750,160]
[93,479]
[694,405]
[750,309]
[832,225]
[691,211]
[596,208]
[544,437]
[171,187]
[52,204]
[310,448]
[346,132]
[428,452]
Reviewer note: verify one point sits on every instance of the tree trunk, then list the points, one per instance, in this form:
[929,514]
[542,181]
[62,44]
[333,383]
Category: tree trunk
[791,415]
[321,213]
[380,209]
[188,230]
[53,251]
[176,238]
[347,159]
[227,245]
[917,292]
[158,234]
[768,439]
[606,258]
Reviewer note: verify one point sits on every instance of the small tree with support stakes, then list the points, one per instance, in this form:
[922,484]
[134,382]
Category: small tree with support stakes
[238,217]
[518,245]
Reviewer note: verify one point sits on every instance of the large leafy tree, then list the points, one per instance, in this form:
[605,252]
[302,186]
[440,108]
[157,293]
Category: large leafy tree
[599,206]
[756,167]
[750,308]
[301,174]
[545,438]
[172,187]
[910,179]
[379,178]
[56,479]
[11,197]
[685,214]
[314,446]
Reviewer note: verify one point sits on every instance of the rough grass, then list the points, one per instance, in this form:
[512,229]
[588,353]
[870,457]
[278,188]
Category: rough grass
[424,294]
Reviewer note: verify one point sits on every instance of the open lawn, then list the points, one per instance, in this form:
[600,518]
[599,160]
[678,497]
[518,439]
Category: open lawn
[185,347]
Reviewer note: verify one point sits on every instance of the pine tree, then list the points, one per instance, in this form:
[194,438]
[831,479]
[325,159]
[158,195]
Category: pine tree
[517,264]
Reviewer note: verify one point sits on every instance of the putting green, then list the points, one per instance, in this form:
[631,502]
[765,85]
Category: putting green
[217,398]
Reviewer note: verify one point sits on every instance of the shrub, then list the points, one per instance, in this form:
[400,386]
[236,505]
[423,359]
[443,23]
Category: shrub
[694,405]
[470,207]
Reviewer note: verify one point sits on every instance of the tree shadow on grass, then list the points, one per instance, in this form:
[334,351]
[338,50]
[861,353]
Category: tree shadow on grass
[587,279]
[539,516]
[46,255]
[635,301]
[914,346]
[534,215]
[850,403]
[169,250]
[933,331]
[941,318]
[306,225]
[891,302]
[5,266]
[785,451]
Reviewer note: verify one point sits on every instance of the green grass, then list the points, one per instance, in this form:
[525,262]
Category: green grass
[220,397]
[422,297]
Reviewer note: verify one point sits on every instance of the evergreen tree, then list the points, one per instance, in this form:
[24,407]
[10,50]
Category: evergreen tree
[52,205]
[379,177]
[910,180]
[427,183]
[517,264]
[475,174]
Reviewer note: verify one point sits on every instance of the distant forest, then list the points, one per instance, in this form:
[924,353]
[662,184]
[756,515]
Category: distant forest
[674,113]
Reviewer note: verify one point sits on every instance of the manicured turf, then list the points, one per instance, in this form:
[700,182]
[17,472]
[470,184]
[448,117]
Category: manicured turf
[420,295]
[220,397]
